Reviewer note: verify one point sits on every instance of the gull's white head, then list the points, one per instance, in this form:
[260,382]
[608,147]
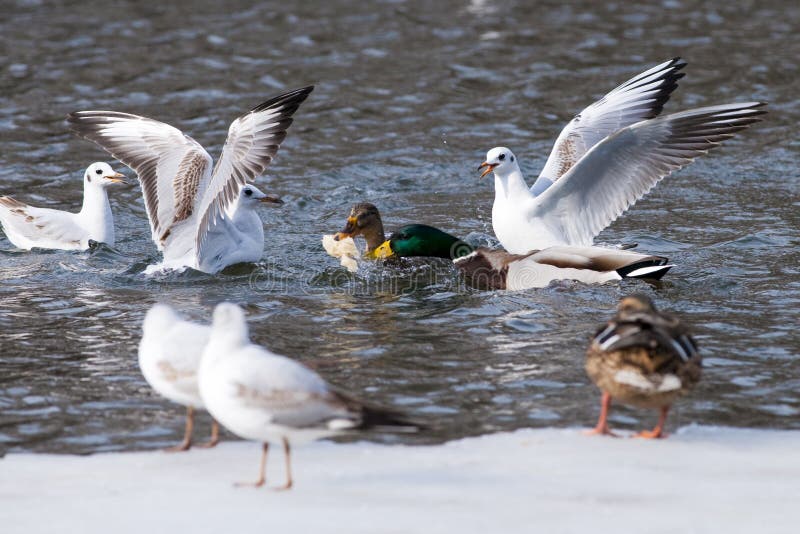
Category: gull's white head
[500,160]
[251,197]
[229,323]
[160,316]
[102,174]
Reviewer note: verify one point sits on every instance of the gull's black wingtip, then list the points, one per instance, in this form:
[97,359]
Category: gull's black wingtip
[678,62]
[291,98]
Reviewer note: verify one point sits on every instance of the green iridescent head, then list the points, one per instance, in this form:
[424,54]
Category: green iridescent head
[423,240]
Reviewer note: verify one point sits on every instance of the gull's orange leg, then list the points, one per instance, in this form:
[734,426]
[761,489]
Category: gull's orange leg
[602,422]
[214,436]
[186,444]
[262,478]
[287,454]
[658,431]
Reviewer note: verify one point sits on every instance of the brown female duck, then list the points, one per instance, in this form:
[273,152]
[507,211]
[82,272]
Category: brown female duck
[644,358]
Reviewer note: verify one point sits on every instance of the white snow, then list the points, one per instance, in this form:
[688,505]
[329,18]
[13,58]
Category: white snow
[701,479]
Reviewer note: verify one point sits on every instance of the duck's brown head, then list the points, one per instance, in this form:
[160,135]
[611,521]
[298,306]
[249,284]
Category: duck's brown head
[364,220]
[636,303]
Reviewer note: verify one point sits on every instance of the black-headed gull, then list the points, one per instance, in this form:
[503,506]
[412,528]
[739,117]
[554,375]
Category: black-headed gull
[192,204]
[265,397]
[29,227]
[169,357]
[607,158]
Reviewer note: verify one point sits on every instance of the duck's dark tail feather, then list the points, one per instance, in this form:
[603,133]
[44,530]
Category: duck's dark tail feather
[651,269]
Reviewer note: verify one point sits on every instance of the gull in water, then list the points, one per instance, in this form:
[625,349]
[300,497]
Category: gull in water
[265,397]
[29,227]
[609,156]
[195,207]
[169,357]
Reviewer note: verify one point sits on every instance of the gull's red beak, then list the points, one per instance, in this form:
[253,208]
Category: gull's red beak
[117,178]
[489,168]
[271,199]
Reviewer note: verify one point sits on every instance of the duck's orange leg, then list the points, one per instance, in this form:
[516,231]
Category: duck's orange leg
[658,431]
[602,422]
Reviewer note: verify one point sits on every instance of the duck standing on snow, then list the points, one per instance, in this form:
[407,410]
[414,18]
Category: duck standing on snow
[29,227]
[644,358]
[498,269]
[169,357]
[265,397]
[200,214]
[608,157]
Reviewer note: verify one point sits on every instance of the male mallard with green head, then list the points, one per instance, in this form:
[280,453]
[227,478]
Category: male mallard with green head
[498,269]
[644,358]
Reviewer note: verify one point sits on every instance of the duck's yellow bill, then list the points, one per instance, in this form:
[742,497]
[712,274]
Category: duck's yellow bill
[383,251]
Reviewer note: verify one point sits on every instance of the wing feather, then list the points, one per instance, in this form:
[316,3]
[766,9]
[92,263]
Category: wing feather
[642,97]
[253,140]
[171,166]
[621,169]
[40,227]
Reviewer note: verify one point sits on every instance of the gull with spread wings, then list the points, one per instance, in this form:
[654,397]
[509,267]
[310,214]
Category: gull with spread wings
[608,157]
[201,216]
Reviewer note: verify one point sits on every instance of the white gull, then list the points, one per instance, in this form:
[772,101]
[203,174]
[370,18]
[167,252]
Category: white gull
[606,159]
[30,227]
[192,206]
[261,396]
[169,357]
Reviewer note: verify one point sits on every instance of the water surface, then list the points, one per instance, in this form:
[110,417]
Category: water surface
[409,97]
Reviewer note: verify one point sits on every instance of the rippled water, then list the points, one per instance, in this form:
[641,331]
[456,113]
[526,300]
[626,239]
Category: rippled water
[409,97]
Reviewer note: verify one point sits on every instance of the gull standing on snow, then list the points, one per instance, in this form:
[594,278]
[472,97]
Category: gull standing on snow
[29,227]
[265,397]
[195,211]
[609,156]
[169,357]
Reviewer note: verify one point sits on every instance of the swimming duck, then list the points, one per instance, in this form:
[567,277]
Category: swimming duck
[498,269]
[608,157]
[29,227]
[644,358]
[364,220]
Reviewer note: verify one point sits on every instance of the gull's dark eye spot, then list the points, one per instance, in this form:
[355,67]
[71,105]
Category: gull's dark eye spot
[248,192]
[501,157]
[99,171]
[512,158]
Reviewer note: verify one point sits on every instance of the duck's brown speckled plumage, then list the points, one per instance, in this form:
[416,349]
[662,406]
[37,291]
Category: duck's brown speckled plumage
[364,220]
[642,357]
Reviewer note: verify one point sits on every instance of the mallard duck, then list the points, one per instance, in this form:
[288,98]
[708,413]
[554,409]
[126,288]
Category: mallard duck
[498,269]
[200,213]
[364,220]
[609,156]
[29,227]
[265,397]
[169,358]
[644,358]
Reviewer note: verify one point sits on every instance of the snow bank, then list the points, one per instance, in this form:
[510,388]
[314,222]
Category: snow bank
[702,479]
